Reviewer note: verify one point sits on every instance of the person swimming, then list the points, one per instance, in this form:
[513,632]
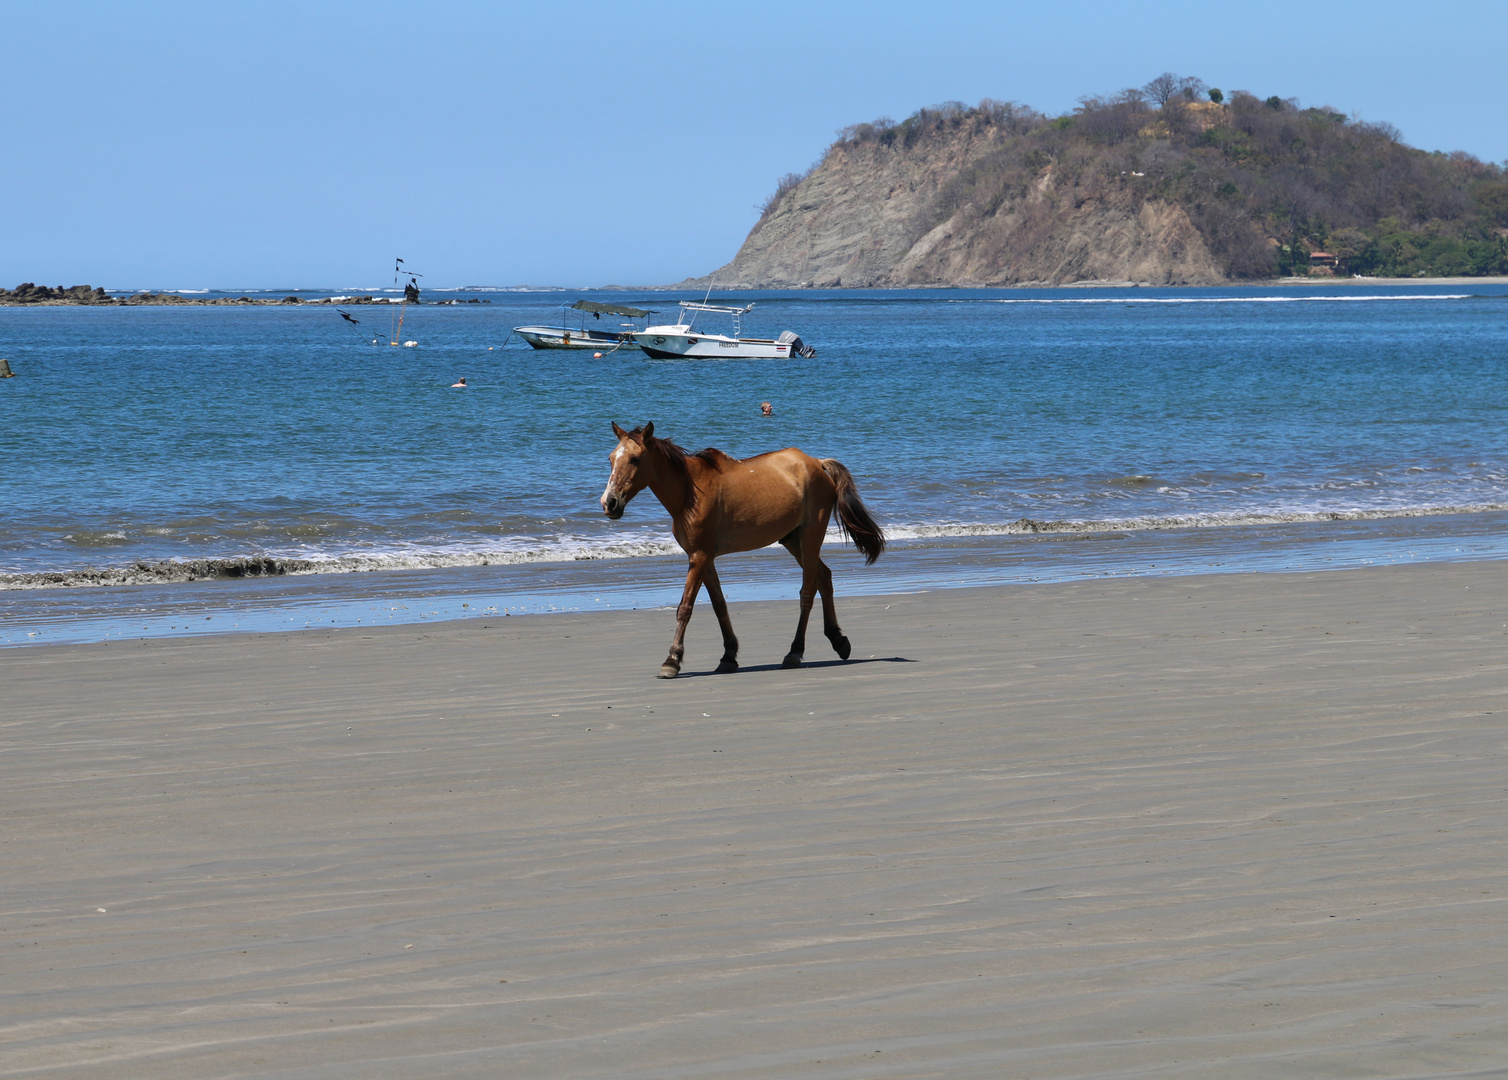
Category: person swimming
[461,384]
[766,409]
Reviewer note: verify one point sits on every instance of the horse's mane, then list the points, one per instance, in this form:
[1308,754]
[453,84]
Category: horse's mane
[675,457]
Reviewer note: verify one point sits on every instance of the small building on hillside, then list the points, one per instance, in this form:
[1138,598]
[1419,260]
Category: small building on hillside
[1322,262]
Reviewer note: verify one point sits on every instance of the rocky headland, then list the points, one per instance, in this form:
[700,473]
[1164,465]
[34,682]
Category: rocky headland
[1171,184]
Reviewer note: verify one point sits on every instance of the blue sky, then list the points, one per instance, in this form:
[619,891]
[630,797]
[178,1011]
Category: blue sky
[275,145]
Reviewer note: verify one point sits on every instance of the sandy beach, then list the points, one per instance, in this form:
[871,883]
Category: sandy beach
[1244,826]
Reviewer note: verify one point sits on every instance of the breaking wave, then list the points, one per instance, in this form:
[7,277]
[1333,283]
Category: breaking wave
[1034,527]
[169,571]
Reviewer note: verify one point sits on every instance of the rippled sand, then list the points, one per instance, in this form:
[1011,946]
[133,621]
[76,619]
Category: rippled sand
[1223,826]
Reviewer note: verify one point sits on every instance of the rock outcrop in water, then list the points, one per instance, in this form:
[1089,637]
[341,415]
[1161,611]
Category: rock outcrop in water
[1185,192]
[29,293]
[41,295]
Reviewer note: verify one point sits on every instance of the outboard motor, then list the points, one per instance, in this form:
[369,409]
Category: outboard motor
[798,347]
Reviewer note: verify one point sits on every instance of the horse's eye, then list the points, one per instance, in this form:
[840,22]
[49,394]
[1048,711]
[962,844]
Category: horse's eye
[634,460]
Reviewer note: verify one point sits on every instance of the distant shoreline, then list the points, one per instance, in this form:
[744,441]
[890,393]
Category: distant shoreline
[701,283]
[87,296]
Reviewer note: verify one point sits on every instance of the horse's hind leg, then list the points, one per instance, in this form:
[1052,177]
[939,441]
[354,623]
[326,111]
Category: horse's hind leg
[813,566]
[813,559]
[796,545]
[729,662]
[830,628]
[672,665]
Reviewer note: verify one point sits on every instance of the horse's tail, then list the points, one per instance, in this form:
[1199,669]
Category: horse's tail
[853,516]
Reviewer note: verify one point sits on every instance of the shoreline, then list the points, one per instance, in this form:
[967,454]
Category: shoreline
[420,595]
[98,298]
[143,570]
[1131,827]
[696,284]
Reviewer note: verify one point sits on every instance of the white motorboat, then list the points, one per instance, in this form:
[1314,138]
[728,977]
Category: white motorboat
[684,341]
[565,337]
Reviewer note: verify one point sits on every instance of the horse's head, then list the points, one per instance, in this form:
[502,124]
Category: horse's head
[632,468]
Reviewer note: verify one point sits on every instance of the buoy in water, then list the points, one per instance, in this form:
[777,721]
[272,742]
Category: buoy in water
[596,356]
[5,371]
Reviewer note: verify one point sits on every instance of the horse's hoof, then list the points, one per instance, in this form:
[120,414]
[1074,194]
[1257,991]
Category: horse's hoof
[668,671]
[726,666]
[792,660]
[842,648]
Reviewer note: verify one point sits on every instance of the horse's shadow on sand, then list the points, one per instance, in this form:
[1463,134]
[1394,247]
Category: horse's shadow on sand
[747,669]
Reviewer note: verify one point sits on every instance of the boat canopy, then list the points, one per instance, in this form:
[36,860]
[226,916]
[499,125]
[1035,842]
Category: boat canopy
[693,305]
[610,309]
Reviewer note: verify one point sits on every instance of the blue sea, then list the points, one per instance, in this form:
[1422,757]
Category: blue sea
[195,470]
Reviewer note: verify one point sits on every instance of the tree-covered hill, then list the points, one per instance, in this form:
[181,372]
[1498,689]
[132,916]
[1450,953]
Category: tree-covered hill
[1265,183]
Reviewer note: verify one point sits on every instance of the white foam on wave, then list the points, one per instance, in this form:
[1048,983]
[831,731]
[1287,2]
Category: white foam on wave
[568,550]
[1034,527]
[573,549]
[288,564]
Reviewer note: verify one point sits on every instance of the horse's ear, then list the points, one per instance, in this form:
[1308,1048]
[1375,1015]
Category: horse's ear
[649,430]
[618,431]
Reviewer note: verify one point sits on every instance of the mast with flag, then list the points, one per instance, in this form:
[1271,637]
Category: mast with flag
[410,293]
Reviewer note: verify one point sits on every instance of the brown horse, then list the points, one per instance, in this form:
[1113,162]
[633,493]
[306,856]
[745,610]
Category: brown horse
[720,505]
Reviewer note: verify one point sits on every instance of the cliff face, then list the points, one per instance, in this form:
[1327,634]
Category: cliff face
[873,215]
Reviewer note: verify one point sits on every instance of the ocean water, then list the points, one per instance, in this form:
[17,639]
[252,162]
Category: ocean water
[202,469]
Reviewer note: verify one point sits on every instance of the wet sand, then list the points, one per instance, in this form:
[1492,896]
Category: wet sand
[1223,826]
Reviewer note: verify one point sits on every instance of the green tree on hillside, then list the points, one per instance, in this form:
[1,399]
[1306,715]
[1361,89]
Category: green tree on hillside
[1264,181]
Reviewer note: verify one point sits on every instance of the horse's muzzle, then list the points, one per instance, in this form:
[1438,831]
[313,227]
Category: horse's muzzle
[612,506]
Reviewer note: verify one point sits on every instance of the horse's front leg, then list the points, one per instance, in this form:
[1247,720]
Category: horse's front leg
[729,662]
[699,566]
